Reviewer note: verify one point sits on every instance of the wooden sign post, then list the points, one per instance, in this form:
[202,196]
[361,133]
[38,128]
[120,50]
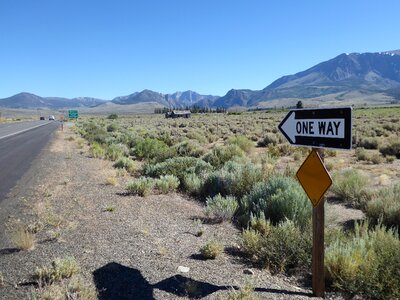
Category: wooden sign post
[318,222]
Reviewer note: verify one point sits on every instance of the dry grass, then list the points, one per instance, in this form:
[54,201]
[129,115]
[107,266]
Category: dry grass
[22,239]
[76,288]
[111,180]
[246,292]
[60,269]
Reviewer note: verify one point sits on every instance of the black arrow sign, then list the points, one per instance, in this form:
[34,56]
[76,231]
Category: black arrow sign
[319,128]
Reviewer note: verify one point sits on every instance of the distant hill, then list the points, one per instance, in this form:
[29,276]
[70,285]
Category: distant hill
[27,100]
[340,79]
[178,99]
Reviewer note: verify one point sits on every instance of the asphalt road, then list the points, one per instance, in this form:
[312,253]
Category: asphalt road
[8,129]
[18,151]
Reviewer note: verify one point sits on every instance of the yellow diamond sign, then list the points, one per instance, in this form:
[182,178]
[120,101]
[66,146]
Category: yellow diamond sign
[314,178]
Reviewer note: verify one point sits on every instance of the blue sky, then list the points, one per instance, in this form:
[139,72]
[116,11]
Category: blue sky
[104,49]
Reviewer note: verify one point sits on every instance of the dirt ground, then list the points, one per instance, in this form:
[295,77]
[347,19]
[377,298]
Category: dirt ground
[128,247]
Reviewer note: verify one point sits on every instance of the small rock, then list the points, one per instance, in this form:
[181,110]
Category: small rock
[183,269]
[248,271]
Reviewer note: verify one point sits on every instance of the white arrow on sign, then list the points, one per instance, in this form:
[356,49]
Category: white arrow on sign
[324,128]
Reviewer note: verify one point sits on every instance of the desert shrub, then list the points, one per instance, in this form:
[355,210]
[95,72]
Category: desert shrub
[112,117]
[211,249]
[368,143]
[127,164]
[141,186]
[330,153]
[167,183]
[189,148]
[94,133]
[96,150]
[219,155]
[242,142]
[277,199]
[59,269]
[178,166]
[392,149]
[362,154]
[282,247]
[273,151]
[233,179]
[268,139]
[166,137]
[366,263]
[268,165]
[390,158]
[260,224]
[115,151]
[112,127]
[385,207]
[377,159]
[195,135]
[150,148]
[221,208]
[250,241]
[352,187]
[193,183]
[390,127]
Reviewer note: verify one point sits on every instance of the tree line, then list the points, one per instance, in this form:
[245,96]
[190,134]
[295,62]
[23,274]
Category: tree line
[193,109]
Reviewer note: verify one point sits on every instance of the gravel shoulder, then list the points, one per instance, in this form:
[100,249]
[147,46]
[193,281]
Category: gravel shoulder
[129,247]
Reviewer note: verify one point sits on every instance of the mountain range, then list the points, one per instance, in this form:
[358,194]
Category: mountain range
[346,79]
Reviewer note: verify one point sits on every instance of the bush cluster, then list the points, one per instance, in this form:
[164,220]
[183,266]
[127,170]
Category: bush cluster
[189,148]
[392,149]
[352,187]
[368,143]
[268,139]
[242,142]
[141,186]
[127,164]
[178,166]
[221,208]
[167,183]
[367,263]
[384,207]
[278,199]
[219,155]
[279,248]
[153,149]
[234,178]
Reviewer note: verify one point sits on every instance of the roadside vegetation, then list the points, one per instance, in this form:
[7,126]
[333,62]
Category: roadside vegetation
[61,280]
[243,171]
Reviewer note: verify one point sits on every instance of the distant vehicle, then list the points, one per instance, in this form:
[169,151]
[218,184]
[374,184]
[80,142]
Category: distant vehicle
[51,118]
[41,118]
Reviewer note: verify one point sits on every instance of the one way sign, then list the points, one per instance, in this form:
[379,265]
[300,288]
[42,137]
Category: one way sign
[319,128]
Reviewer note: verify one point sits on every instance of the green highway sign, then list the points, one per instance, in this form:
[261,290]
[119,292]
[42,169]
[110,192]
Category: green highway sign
[73,114]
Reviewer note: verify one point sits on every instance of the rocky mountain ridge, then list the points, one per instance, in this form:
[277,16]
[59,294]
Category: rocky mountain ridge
[369,76]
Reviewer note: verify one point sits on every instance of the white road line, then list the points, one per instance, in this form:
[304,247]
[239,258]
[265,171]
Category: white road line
[21,131]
